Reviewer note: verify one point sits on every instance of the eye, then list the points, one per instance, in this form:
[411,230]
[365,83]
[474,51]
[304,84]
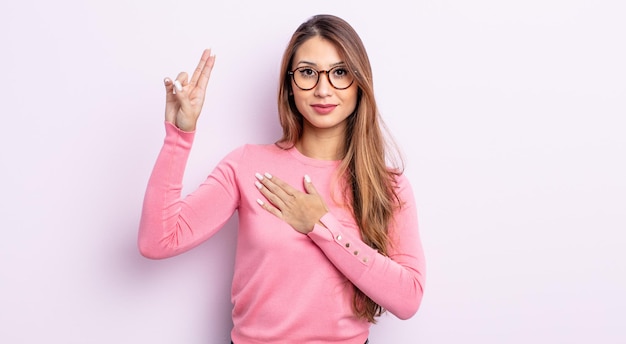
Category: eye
[340,72]
[306,72]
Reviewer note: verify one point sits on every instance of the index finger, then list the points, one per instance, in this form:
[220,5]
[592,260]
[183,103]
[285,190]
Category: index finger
[202,73]
[284,187]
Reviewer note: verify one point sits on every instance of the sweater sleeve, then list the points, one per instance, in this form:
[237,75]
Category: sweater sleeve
[171,224]
[395,282]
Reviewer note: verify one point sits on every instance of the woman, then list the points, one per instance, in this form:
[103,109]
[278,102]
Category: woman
[328,235]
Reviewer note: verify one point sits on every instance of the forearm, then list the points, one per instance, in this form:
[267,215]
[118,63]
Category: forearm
[396,285]
[170,224]
[160,224]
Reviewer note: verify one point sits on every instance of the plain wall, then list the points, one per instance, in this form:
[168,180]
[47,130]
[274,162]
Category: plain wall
[511,116]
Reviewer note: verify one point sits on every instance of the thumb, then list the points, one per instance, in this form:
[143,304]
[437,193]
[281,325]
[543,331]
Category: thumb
[179,90]
[308,185]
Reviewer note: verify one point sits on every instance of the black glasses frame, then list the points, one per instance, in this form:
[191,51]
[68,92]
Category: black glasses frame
[319,72]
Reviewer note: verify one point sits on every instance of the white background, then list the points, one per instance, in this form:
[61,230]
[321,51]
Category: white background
[511,116]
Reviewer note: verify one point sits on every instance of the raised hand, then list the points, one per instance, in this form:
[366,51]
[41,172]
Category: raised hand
[184,98]
[300,210]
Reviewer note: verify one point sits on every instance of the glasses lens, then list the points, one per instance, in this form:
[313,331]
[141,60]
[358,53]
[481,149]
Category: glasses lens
[340,77]
[305,77]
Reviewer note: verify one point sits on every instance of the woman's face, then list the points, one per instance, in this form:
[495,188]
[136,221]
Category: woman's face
[324,107]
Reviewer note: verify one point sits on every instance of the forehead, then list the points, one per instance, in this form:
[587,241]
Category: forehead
[317,51]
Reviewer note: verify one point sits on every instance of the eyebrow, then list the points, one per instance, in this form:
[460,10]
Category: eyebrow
[315,64]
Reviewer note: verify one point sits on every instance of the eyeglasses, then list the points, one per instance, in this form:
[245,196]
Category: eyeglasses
[306,78]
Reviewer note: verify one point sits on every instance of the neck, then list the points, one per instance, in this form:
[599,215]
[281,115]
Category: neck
[326,146]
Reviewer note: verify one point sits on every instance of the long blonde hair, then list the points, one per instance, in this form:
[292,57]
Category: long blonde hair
[369,182]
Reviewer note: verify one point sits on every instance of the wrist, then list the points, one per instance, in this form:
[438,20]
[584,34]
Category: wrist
[187,127]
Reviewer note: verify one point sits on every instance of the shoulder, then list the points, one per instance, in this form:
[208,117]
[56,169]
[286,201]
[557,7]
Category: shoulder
[251,149]
[401,180]
[249,153]
[403,187]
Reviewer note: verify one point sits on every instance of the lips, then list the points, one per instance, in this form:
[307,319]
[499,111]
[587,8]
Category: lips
[323,109]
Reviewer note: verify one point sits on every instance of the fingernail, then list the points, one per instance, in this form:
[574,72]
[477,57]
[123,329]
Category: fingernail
[260,202]
[258,176]
[307,178]
[178,86]
[269,176]
[258,185]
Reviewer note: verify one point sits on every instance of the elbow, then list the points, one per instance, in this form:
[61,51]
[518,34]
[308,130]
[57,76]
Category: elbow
[408,309]
[408,306]
[150,251]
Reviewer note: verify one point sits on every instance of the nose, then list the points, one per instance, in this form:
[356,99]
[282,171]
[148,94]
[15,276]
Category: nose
[323,87]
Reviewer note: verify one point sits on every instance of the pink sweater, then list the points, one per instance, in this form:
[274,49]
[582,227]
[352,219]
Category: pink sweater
[287,287]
